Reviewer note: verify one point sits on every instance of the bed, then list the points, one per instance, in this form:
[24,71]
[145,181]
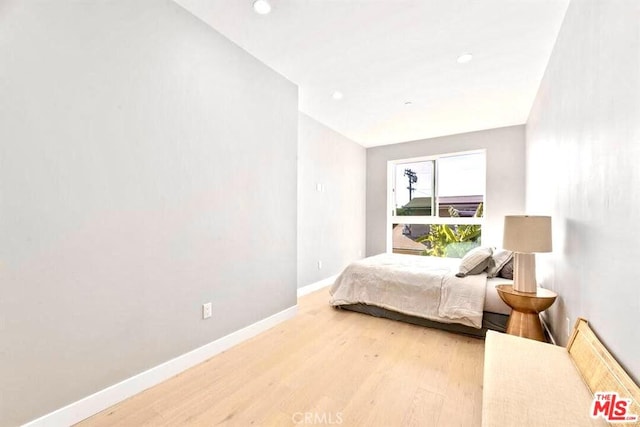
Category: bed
[422,290]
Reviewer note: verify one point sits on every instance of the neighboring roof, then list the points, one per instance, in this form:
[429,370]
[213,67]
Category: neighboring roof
[400,241]
[419,202]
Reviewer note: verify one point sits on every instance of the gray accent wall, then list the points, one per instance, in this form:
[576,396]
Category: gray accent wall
[583,168]
[504,186]
[147,166]
[331,226]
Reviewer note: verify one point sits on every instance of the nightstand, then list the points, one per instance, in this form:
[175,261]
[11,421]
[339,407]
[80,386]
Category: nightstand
[524,320]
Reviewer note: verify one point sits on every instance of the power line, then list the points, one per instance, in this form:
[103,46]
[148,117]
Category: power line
[413,178]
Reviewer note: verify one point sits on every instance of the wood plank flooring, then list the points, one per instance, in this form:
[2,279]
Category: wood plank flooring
[323,367]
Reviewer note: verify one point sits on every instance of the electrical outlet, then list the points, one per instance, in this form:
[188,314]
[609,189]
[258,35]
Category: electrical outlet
[206,310]
[319,265]
[568,327]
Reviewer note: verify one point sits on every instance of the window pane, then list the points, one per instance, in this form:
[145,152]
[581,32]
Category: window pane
[454,241]
[406,238]
[443,240]
[461,185]
[451,188]
[413,189]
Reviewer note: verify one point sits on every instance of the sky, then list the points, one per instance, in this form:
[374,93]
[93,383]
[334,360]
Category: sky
[461,175]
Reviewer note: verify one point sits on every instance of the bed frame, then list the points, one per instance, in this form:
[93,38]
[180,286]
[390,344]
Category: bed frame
[493,321]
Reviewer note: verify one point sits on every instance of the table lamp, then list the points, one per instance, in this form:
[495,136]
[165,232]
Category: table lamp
[525,235]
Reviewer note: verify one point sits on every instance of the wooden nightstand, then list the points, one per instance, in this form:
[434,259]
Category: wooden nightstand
[524,320]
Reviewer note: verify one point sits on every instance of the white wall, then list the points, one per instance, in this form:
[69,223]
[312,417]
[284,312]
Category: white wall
[504,186]
[331,222]
[147,165]
[583,167]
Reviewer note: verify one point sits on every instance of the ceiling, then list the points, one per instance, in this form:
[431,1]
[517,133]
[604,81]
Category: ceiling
[395,60]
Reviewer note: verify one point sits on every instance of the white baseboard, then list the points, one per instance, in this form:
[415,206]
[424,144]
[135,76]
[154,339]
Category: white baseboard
[545,326]
[317,285]
[90,405]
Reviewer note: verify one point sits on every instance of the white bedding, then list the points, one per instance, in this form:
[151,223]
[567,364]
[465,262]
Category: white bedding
[492,301]
[416,285]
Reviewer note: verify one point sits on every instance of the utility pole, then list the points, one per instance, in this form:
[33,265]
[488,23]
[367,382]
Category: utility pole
[413,178]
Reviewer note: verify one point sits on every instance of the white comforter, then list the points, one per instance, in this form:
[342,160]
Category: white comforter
[415,285]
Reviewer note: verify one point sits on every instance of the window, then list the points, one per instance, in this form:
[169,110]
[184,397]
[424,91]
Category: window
[436,204]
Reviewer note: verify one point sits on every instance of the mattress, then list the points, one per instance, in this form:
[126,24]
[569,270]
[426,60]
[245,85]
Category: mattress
[419,286]
[492,301]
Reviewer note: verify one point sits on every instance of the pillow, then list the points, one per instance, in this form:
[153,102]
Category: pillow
[507,270]
[500,258]
[475,261]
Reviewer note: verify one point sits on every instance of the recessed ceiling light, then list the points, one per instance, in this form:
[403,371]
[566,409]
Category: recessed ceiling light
[464,58]
[262,7]
[337,95]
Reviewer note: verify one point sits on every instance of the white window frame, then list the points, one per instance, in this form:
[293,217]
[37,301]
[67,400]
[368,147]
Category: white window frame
[392,218]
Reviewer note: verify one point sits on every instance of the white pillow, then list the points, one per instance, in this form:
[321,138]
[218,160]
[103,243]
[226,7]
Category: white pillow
[475,261]
[500,258]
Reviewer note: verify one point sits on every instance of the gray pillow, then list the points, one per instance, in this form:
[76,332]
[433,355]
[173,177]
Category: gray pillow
[475,261]
[507,270]
[500,258]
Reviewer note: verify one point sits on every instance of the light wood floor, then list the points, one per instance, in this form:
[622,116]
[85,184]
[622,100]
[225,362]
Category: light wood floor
[333,367]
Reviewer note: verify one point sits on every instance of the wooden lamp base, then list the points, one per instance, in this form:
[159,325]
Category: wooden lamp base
[524,320]
[525,325]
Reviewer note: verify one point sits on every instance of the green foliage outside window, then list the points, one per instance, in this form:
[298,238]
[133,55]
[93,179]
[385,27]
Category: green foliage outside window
[452,241]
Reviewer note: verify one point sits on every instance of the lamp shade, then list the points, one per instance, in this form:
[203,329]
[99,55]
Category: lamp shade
[527,233]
